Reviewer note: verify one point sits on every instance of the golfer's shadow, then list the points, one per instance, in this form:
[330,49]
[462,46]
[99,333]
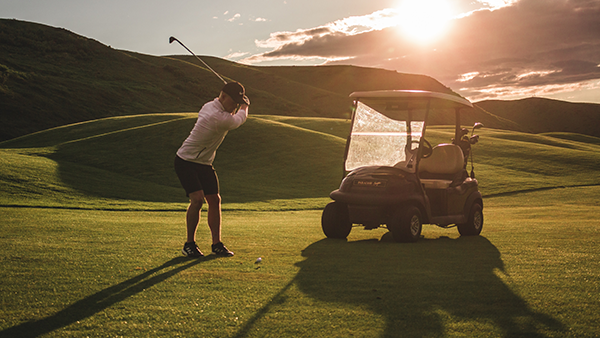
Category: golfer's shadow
[417,287]
[101,300]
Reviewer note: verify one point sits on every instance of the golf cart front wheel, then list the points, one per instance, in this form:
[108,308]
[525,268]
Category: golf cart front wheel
[335,220]
[474,222]
[406,225]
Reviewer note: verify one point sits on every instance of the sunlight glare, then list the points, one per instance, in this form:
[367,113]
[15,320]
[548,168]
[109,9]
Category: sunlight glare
[424,20]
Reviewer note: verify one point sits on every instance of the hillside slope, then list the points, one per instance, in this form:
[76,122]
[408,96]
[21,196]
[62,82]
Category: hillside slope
[127,162]
[270,163]
[52,77]
[539,115]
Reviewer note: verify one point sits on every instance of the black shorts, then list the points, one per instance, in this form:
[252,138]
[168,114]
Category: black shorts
[194,177]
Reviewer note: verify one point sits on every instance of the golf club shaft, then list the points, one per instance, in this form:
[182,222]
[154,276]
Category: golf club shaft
[171,39]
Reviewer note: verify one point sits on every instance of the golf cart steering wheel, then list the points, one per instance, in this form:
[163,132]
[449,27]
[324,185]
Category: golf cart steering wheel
[426,150]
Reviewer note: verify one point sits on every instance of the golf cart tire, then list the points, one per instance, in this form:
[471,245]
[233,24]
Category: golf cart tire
[474,222]
[335,220]
[406,225]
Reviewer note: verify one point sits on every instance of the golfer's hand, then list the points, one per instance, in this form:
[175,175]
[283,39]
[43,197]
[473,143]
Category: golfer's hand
[244,107]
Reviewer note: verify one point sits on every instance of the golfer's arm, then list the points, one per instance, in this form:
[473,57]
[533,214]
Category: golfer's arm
[236,120]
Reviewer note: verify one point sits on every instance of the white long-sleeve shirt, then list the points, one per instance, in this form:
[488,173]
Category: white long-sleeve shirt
[209,132]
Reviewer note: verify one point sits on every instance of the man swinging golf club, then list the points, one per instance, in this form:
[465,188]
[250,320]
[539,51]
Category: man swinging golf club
[193,163]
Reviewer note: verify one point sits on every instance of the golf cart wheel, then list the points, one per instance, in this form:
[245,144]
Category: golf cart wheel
[474,223]
[406,225]
[335,220]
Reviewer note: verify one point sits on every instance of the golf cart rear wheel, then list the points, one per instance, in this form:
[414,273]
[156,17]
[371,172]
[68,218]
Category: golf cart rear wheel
[335,220]
[406,225]
[474,223]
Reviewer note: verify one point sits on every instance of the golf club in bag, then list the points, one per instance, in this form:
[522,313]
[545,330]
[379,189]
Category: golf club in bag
[171,39]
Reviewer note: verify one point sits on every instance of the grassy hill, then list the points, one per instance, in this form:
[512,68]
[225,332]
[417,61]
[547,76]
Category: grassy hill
[271,162]
[539,115]
[120,161]
[51,77]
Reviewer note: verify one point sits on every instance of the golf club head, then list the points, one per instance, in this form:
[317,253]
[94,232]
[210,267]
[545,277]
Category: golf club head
[478,125]
[171,39]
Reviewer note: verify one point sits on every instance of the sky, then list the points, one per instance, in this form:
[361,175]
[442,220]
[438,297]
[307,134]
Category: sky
[481,49]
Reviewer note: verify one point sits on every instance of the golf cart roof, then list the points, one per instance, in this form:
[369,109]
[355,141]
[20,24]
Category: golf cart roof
[414,99]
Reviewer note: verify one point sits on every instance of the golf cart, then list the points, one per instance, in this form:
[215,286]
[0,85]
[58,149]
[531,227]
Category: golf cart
[396,178]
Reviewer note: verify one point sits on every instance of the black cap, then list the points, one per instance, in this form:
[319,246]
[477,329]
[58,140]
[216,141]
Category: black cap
[237,92]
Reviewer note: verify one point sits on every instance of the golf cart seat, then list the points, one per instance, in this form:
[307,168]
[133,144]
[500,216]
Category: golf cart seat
[445,164]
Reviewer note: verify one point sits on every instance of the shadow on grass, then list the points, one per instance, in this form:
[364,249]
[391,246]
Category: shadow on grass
[99,301]
[430,288]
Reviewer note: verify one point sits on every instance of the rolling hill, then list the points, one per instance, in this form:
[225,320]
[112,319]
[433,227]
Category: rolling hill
[52,77]
[539,115]
[270,163]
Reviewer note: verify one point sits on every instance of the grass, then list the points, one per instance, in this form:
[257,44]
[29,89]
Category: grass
[91,232]
[533,272]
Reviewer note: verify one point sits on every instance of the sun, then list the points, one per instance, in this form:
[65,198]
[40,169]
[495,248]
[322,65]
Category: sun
[424,21]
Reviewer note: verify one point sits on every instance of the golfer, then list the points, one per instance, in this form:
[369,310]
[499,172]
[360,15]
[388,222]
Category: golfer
[193,163]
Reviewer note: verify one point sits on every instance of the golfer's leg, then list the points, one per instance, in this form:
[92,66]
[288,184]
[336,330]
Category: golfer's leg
[214,216]
[192,216]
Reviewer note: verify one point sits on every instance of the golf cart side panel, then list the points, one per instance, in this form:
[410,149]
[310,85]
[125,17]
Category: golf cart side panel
[462,217]
[452,200]
[458,196]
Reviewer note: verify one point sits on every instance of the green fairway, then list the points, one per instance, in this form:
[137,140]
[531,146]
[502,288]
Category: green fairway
[533,272]
[92,224]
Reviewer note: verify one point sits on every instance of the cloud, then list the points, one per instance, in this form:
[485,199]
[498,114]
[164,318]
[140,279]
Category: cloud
[497,3]
[538,45]
[520,46]
[236,55]
[235,17]
[346,27]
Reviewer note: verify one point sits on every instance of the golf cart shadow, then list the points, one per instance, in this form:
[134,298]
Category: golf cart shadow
[420,288]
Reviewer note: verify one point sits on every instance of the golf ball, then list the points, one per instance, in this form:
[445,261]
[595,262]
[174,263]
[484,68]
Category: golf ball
[258,260]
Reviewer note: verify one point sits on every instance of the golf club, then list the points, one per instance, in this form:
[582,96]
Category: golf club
[171,39]
[472,140]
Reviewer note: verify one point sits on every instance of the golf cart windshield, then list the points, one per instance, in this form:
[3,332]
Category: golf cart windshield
[377,139]
[388,126]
